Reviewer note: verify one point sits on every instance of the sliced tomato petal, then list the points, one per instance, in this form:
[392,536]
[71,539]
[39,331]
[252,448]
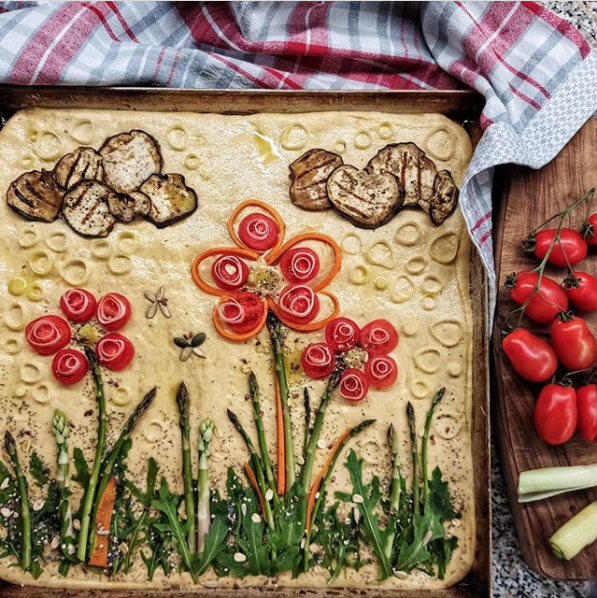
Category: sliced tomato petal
[261,205]
[313,325]
[240,316]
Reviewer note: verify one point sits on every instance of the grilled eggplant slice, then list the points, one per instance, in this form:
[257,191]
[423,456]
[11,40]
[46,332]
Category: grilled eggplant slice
[35,195]
[86,208]
[127,207]
[308,176]
[82,164]
[129,159]
[445,199]
[367,199]
[171,200]
[413,169]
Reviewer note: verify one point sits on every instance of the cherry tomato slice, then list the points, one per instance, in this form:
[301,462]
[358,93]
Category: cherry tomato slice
[258,231]
[229,272]
[586,401]
[573,342]
[298,303]
[378,337]
[381,371]
[581,289]
[556,414]
[545,304]
[318,360]
[69,366]
[532,357]
[78,305]
[299,265]
[590,230]
[241,313]
[115,351]
[353,385]
[48,334]
[570,249]
[113,311]
[342,334]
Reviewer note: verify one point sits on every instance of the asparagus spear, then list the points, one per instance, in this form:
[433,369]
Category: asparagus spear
[97,462]
[395,487]
[410,413]
[257,467]
[273,325]
[11,448]
[61,430]
[206,430]
[333,381]
[182,398]
[307,404]
[434,403]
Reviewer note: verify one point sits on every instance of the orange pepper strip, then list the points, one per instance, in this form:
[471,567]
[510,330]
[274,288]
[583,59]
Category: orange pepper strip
[281,446]
[103,520]
[317,482]
[232,336]
[253,481]
[317,325]
[209,288]
[275,254]
[266,208]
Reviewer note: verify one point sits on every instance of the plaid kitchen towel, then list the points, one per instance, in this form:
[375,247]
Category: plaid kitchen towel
[537,73]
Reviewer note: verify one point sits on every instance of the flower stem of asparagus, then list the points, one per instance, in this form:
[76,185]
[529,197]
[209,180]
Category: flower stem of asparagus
[90,491]
[206,430]
[395,485]
[11,448]
[273,325]
[182,398]
[61,430]
[425,443]
[333,381]
[410,413]
[307,404]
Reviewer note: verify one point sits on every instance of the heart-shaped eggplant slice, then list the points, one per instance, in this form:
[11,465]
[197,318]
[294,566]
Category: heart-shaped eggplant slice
[126,207]
[171,199]
[367,199]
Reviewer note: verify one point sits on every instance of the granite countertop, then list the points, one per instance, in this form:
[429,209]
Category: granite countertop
[511,576]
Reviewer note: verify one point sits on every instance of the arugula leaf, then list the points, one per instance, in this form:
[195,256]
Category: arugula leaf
[38,470]
[214,543]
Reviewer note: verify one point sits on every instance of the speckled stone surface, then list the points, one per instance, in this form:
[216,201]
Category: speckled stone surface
[511,577]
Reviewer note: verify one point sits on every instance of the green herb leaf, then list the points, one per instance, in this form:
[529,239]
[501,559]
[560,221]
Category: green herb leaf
[214,543]
[39,472]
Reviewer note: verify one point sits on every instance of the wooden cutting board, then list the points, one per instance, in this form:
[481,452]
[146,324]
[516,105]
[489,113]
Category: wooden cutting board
[527,198]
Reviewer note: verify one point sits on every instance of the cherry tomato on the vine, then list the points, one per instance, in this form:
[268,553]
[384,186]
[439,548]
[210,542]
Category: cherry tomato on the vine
[570,248]
[581,289]
[588,230]
[586,400]
[556,413]
[573,342]
[532,357]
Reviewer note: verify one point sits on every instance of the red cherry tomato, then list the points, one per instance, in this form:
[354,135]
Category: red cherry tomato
[78,305]
[229,272]
[318,360]
[545,304]
[48,334]
[115,351]
[531,356]
[589,229]
[113,311]
[586,401]
[573,342]
[241,313]
[258,231]
[69,366]
[571,245]
[378,337]
[556,414]
[581,289]
[299,265]
[299,303]
[342,334]
[353,385]
[381,371]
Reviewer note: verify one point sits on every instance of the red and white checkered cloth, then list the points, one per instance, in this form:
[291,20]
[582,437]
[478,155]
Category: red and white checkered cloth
[536,71]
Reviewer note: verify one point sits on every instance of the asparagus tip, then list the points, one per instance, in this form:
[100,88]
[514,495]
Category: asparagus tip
[91,357]
[410,412]
[9,442]
[391,435]
[60,425]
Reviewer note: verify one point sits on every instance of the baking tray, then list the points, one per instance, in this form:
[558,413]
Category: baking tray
[463,107]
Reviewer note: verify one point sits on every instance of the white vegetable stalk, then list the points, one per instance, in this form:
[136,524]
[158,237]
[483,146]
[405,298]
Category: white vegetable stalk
[538,484]
[203,513]
[574,535]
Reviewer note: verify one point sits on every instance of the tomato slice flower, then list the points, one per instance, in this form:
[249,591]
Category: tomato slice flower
[69,366]
[318,360]
[113,311]
[381,371]
[78,305]
[241,313]
[229,272]
[115,351]
[342,334]
[378,337]
[299,265]
[48,334]
[258,231]
[353,385]
[298,303]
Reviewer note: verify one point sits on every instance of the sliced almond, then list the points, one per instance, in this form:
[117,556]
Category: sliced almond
[87,211]
[308,176]
[126,207]
[445,199]
[35,195]
[171,200]
[82,164]
[129,159]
